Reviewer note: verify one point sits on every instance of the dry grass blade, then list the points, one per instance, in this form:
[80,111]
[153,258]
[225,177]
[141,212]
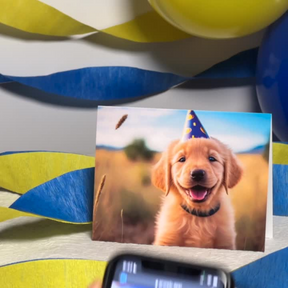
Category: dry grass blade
[97,195]
[121,121]
[100,188]
[122,222]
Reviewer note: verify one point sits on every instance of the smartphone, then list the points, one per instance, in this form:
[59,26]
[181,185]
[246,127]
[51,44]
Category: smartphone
[135,271]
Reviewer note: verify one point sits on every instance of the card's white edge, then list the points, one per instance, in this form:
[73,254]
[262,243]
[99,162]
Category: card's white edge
[269,215]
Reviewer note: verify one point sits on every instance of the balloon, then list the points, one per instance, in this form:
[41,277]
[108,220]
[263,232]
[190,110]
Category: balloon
[272,76]
[220,18]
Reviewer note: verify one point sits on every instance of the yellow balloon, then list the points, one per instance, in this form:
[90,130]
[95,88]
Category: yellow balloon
[220,18]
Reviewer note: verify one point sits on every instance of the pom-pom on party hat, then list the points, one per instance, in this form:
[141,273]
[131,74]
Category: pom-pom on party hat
[193,127]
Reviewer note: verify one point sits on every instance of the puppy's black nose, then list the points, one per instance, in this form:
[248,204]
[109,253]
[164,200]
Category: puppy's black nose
[198,174]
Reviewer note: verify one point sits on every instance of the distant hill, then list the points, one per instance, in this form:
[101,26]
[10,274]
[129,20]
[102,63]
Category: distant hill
[109,148]
[256,150]
[112,148]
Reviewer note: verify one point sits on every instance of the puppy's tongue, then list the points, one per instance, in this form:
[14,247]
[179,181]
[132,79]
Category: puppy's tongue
[198,194]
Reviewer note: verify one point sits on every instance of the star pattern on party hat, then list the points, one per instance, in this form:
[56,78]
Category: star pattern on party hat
[193,127]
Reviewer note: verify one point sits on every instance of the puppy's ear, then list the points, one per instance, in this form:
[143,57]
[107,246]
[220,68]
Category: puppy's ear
[161,173]
[233,170]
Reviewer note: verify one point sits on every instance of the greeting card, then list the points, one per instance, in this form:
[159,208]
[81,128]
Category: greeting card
[183,178]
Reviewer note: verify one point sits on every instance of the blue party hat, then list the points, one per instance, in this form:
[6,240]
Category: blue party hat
[193,127]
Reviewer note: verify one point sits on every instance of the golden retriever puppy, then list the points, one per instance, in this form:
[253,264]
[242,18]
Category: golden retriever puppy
[196,212]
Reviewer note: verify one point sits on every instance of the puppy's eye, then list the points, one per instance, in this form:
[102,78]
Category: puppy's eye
[182,159]
[212,159]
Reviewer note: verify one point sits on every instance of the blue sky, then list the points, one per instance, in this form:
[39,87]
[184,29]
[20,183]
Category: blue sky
[240,131]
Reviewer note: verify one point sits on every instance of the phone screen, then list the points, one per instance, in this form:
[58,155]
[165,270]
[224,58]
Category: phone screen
[133,272]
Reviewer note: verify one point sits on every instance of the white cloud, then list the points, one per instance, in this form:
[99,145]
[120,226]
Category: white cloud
[156,139]
[240,143]
[110,115]
[137,126]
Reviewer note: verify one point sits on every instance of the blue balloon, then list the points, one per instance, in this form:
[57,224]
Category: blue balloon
[272,76]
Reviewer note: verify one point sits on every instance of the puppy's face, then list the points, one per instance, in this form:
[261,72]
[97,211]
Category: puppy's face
[198,169]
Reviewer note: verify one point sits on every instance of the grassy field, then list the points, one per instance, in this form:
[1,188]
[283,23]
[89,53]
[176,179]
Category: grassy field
[129,202]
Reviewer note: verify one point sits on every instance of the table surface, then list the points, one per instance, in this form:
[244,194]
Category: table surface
[28,238]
